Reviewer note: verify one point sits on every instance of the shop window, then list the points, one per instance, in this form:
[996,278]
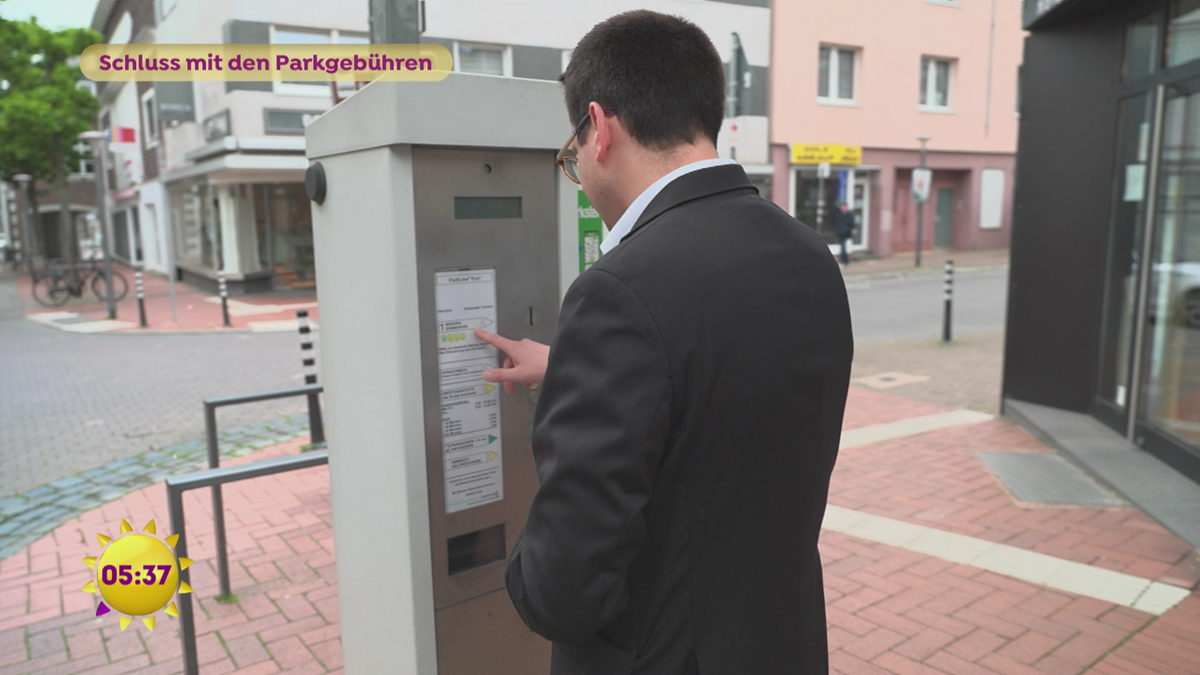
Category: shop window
[296,36]
[149,119]
[991,199]
[836,72]
[482,59]
[935,82]
[1141,48]
[1183,33]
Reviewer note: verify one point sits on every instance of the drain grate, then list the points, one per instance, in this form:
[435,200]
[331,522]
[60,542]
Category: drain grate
[1047,479]
[889,380]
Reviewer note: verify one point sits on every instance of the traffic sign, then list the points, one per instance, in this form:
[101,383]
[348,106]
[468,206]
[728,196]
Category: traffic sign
[921,180]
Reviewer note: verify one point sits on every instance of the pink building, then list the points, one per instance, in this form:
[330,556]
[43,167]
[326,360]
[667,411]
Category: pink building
[867,78]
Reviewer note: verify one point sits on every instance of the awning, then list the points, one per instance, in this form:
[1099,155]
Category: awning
[1038,14]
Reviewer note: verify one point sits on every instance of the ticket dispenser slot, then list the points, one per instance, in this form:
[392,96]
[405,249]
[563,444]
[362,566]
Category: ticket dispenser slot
[487,249]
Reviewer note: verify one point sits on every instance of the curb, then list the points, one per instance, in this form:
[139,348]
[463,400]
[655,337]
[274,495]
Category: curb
[152,332]
[900,276]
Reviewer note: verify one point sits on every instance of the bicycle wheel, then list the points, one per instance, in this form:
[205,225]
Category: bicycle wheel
[120,286]
[49,293]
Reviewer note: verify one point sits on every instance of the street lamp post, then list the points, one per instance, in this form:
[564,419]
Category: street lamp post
[96,138]
[30,227]
[921,203]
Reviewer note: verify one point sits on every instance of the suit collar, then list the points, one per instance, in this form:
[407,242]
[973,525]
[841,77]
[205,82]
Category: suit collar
[692,186]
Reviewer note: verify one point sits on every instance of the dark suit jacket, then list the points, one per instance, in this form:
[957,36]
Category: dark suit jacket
[685,434]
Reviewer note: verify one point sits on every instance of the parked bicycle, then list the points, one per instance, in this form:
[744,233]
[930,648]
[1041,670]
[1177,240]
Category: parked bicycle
[55,285]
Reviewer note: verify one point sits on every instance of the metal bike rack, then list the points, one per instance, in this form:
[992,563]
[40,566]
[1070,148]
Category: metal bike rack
[215,478]
[214,457]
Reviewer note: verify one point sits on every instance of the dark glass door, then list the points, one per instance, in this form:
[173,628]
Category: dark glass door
[1130,182]
[1170,394]
[943,231]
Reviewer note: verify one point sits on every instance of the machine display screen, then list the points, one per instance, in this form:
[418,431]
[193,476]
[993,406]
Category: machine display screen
[475,208]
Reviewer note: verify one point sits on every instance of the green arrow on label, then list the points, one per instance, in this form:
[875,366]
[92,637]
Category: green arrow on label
[491,439]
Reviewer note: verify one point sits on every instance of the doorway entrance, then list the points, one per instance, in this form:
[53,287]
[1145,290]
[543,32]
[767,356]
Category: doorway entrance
[815,200]
[943,229]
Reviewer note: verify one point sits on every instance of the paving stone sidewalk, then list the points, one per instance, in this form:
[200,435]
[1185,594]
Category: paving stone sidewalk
[891,610]
[196,309]
[28,516]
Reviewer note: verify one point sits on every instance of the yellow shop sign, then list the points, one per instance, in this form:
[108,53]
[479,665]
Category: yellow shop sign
[832,154]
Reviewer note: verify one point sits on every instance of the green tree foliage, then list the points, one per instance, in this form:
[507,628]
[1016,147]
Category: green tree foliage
[42,106]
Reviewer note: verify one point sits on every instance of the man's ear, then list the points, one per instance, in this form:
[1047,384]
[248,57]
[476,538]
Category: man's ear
[604,131]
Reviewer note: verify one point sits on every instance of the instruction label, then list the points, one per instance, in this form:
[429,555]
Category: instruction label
[471,446]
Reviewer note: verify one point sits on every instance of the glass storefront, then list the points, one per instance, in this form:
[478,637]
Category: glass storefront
[1149,372]
[284,230]
[1171,386]
[813,195]
[196,237]
[1125,235]
[269,227]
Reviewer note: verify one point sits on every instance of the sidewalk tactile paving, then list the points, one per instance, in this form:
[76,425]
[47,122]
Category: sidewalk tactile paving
[1048,479]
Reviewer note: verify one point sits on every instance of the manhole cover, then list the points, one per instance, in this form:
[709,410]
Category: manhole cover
[889,380]
[1047,479]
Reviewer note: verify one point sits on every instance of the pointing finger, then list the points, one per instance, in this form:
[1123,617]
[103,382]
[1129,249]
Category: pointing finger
[501,343]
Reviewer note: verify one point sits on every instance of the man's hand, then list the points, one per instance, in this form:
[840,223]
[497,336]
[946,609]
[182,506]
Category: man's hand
[524,362]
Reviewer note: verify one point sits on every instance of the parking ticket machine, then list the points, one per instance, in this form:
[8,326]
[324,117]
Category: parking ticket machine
[437,210]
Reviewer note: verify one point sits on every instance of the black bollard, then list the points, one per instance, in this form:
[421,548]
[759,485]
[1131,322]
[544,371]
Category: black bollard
[224,290]
[948,295]
[308,358]
[141,296]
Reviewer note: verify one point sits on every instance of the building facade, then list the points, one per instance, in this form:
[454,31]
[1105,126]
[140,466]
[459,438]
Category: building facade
[214,180]
[1104,300]
[856,83]
[52,241]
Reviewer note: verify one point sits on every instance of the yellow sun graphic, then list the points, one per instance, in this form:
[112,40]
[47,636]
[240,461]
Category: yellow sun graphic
[137,574]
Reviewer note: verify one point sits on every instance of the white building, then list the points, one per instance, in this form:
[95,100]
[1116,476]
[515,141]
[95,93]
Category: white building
[219,166]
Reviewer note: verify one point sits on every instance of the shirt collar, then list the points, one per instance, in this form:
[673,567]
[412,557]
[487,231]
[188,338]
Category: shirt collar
[628,219]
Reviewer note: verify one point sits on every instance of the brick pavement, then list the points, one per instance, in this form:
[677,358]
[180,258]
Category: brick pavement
[196,309]
[281,559]
[891,610]
[944,485]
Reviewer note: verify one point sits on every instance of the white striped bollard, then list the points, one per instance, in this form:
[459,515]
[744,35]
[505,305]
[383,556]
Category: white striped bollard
[948,295]
[308,358]
[223,289]
[141,296]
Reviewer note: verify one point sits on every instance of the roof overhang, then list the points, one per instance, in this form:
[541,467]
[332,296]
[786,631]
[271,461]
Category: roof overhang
[243,168]
[1039,14]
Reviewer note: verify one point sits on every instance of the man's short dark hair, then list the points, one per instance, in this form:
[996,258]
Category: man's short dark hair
[661,73]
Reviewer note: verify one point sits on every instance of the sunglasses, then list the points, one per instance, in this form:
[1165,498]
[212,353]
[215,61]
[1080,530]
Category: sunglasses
[566,159]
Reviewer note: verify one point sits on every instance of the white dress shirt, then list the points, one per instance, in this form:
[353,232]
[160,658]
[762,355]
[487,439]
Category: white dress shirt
[631,215]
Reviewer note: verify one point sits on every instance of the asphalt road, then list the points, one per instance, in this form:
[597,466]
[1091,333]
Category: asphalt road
[71,402]
[911,308]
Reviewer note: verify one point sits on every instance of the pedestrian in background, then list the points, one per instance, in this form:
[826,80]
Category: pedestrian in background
[844,226]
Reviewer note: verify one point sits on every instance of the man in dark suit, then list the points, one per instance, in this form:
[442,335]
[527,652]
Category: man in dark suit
[691,401]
